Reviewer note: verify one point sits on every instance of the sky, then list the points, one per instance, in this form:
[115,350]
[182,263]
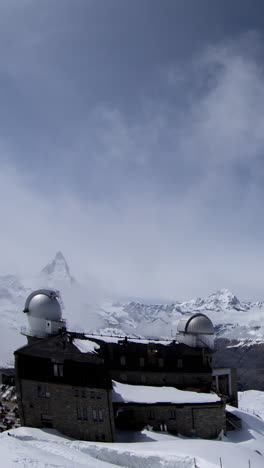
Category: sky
[132,139]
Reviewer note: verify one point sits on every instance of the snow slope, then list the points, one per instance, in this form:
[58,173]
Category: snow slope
[252,401]
[39,448]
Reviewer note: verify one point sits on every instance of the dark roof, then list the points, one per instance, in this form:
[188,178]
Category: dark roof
[7,371]
[58,346]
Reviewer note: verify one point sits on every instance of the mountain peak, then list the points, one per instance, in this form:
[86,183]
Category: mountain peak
[59,256]
[58,270]
[225,297]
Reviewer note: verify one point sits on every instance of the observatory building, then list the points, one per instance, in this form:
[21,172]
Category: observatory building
[44,314]
[196,330]
[89,386]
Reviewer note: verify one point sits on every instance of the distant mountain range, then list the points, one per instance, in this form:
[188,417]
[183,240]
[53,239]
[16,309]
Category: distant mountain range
[238,323]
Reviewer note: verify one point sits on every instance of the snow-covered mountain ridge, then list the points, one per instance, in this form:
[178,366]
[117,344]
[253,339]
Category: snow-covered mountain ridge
[233,319]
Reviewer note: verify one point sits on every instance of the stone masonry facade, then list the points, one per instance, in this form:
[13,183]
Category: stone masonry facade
[79,412]
[204,420]
[60,386]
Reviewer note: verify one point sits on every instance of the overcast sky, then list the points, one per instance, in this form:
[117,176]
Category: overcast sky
[132,139]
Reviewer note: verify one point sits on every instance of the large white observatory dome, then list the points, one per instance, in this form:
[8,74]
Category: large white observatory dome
[196,330]
[44,313]
[43,304]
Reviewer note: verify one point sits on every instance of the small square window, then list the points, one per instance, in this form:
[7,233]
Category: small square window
[43,392]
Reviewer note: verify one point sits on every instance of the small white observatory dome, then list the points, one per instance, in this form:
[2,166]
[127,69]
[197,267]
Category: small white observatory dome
[196,330]
[44,313]
[196,324]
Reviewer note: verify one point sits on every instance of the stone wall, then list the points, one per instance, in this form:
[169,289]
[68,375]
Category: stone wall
[82,413]
[200,420]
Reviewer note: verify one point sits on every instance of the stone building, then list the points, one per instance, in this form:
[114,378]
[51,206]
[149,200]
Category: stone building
[89,386]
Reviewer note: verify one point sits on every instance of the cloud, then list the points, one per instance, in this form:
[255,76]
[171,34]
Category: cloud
[164,204]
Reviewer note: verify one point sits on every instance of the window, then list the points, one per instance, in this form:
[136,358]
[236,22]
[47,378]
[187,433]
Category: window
[172,414]
[143,379]
[161,362]
[102,437]
[82,413]
[92,394]
[98,396]
[46,420]
[151,414]
[83,393]
[43,391]
[163,427]
[79,413]
[76,393]
[58,370]
[123,360]
[179,363]
[142,361]
[98,414]
[85,414]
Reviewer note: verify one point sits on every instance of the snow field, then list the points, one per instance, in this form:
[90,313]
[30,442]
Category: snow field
[39,448]
[252,401]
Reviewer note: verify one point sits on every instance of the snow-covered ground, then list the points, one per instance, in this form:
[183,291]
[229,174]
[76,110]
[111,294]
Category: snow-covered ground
[39,448]
[252,401]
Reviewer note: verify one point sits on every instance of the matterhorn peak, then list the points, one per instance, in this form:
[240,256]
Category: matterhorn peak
[59,256]
[58,270]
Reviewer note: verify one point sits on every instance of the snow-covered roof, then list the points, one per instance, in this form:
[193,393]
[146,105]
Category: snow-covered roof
[116,339]
[124,393]
[86,346]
